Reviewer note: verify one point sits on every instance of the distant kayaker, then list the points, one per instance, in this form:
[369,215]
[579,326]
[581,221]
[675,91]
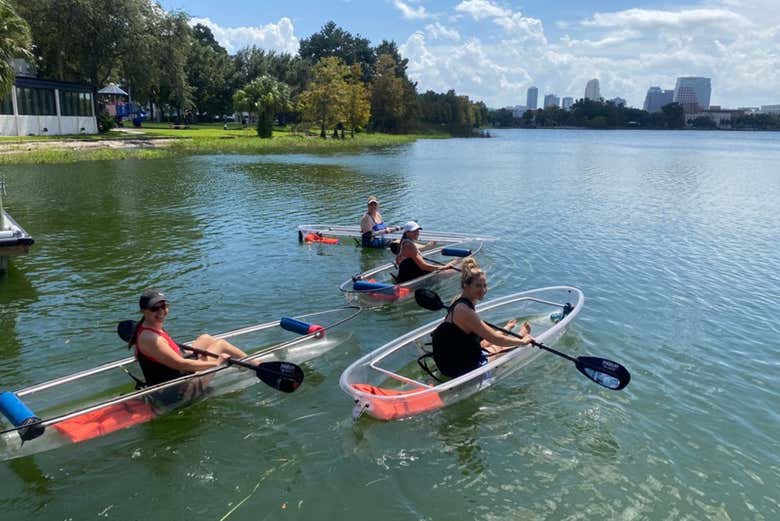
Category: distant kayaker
[372,227]
[159,355]
[463,342]
[410,262]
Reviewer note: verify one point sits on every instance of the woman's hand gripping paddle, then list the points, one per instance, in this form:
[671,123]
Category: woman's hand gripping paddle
[282,376]
[604,372]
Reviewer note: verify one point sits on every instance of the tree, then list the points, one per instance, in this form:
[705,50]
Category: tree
[387,95]
[209,72]
[250,63]
[332,40]
[265,97]
[86,41]
[175,39]
[674,115]
[325,100]
[15,42]
[358,109]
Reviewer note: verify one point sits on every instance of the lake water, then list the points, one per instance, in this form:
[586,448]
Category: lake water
[672,236]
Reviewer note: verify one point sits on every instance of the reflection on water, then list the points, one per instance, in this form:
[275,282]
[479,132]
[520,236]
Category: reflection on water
[16,293]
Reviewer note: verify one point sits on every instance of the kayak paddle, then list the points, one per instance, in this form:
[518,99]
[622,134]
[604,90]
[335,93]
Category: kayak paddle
[604,372]
[283,376]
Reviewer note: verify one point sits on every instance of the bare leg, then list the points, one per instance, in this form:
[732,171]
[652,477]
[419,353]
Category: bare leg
[218,346]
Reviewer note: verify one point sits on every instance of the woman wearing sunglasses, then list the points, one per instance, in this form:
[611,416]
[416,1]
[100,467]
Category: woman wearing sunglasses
[463,342]
[160,357]
[372,227]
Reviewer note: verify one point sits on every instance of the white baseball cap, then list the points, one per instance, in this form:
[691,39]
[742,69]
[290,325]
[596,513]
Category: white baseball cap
[412,226]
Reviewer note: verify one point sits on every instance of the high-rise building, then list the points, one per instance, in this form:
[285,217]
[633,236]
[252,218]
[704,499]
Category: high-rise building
[592,90]
[567,102]
[551,100]
[693,93]
[656,98]
[532,98]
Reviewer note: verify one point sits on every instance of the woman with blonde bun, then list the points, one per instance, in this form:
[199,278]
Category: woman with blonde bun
[463,342]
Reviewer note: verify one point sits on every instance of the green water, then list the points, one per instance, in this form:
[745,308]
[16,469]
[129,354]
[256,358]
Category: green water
[671,236]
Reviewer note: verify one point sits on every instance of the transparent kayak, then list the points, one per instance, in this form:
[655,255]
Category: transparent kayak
[377,286]
[332,233]
[389,384]
[98,401]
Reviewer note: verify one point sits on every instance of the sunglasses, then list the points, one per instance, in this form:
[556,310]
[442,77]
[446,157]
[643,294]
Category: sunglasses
[158,307]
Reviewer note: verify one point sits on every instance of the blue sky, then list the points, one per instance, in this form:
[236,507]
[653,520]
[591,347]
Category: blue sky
[493,50]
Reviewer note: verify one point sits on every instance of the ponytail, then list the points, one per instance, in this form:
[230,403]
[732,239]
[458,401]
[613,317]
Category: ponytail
[134,337]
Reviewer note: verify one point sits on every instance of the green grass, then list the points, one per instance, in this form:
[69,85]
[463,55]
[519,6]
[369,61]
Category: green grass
[197,139]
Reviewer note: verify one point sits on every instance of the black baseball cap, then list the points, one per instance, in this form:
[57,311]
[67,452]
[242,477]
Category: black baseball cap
[150,298]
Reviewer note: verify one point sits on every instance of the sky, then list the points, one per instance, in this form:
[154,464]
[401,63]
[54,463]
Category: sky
[493,50]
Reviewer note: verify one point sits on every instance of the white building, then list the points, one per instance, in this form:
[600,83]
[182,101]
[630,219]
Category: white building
[567,102]
[45,108]
[770,109]
[592,90]
[518,111]
[532,98]
[693,93]
[551,100]
[721,117]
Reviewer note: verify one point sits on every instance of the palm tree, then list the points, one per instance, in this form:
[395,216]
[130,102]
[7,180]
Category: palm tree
[15,42]
[265,97]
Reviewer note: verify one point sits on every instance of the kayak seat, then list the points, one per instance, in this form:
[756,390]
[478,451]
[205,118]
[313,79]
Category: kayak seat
[106,420]
[388,409]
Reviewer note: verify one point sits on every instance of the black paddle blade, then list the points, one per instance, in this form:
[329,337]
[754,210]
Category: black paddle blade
[125,329]
[604,372]
[283,376]
[428,299]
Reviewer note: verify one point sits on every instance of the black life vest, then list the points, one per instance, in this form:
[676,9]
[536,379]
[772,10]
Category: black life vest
[455,351]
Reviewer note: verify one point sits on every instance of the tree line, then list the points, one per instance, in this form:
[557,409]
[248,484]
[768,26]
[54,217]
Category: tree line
[337,81]
[606,114]
[593,114]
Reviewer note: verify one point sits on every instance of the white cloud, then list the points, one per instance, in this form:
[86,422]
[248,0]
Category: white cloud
[409,12]
[437,31]
[522,26]
[655,19]
[480,9]
[273,37]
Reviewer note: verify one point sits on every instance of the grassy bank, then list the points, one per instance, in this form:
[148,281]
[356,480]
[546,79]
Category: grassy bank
[163,140]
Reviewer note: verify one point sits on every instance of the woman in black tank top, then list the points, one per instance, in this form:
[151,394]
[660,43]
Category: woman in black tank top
[411,263]
[463,342]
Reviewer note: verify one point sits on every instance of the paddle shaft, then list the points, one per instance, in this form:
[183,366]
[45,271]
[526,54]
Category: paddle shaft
[442,264]
[233,361]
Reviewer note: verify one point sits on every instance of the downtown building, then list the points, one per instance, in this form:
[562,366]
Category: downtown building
[567,102]
[532,98]
[656,98]
[693,93]
[551,100]
[592,91]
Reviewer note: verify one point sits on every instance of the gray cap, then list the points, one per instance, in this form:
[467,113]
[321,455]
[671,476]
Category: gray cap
[150,298]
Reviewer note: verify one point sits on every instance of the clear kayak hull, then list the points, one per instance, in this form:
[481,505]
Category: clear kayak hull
[335,231]
[388,383]
[377,286]
[102,400]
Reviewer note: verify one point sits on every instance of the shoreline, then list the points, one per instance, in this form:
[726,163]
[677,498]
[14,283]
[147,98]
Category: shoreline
[164,141]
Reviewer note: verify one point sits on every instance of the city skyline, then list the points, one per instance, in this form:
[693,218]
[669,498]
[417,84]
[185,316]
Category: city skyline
[493,51]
